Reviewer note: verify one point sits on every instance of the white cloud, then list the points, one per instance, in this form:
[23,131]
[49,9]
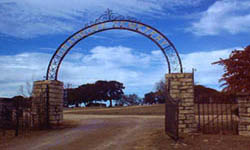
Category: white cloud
[18,69]
[138,71]
[206,73]
[117,57]
[29,18]
[232,16]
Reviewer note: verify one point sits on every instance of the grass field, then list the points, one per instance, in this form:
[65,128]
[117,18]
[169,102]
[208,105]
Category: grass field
[157,109]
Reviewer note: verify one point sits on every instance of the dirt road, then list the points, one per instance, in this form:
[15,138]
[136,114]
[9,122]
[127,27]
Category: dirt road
[92,132]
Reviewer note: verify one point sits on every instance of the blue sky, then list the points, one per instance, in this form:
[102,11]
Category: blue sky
[203,31]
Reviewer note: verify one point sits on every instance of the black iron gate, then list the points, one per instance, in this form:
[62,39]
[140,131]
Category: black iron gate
[217,116]
[171,115]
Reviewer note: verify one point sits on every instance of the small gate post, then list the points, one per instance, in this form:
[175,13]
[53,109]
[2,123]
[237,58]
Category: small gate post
[244,114]
[182,88]
[46,95]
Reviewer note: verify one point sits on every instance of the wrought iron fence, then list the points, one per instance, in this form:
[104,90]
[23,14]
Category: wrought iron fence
[16,116]
[216,116]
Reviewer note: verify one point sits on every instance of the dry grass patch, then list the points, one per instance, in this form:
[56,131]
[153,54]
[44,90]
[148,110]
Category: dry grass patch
[7,136]
[158,109]
[157,140]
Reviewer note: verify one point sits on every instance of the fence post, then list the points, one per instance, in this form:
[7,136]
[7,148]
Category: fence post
[51,92]
[182,88]
[244,113]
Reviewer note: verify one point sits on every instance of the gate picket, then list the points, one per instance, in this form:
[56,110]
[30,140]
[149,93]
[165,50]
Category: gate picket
[216,117]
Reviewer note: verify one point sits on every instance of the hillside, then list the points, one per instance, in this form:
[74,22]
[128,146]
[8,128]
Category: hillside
[205,94]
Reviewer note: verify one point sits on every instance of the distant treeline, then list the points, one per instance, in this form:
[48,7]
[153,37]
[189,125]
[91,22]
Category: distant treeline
[98,91]
[112,91]
[107,91]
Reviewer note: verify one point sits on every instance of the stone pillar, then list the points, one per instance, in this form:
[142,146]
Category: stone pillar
[244,114]
[182,88]
[47,103]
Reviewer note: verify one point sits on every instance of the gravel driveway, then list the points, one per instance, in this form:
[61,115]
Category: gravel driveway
[92,132]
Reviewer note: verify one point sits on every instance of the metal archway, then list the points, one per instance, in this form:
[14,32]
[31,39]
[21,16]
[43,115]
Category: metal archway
[112,21]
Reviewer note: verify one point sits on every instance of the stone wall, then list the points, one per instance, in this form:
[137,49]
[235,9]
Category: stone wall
[182,88]
[47,103]
[244,114]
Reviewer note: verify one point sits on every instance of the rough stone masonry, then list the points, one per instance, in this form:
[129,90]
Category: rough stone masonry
[182,88]
[244,114]
[47,103]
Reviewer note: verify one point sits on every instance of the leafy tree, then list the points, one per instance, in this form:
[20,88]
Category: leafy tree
[73,96]
[100,90]
[129,100]
[149,98]
[161,91]
[237,71]
[160,94]
[87,93]
[116,91]
[109,90]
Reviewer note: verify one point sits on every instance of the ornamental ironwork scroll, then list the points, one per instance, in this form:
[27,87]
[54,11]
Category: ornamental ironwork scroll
[111,21]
